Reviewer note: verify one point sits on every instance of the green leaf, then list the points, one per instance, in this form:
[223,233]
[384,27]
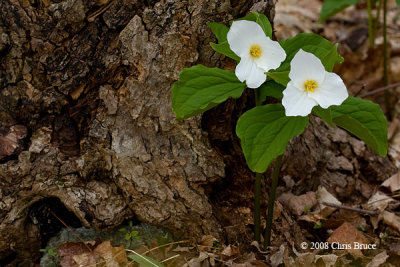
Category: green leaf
[200,88]
[398,2]
[220,31]
[281,77]
[264,132]
[269,88]
[130,223]
[331,7]
[43,250]
[128,236]
[262,20]
[312,43]
[224,49]
[365,120]
[309,42]
[122,230]
[145,260]
[324,114]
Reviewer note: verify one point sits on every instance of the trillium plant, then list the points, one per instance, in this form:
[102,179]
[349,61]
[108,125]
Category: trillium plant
[297,71]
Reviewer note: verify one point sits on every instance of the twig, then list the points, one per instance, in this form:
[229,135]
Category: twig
[172,243]
[370,212]
[70,229]
[381,89]
[170,258]
[100,11]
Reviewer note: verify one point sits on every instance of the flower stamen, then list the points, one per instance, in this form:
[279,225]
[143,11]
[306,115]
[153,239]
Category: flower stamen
[310,85]
[255,51]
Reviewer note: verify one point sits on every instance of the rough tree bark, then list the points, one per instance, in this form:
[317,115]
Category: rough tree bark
[85,118]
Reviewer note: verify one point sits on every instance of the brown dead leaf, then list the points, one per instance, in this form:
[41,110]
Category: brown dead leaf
[230,252]
[200,261]
[393,183]
[378,201]
[85,259]
[347,234]
[378,259]
[206,243]
[76,254]
[302,259]
[391,219]
[328,260]
[114,256]
[277,258]
[324,196]
[70,249]
[298,204]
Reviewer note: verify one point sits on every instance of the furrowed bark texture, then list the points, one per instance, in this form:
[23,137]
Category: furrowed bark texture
[85,115]
[87,132]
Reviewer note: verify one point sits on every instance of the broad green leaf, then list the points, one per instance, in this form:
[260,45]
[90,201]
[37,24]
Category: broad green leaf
[398,2]
[145,260]
[331,7]
[279,77]
[324,114]
[269,88]
[224,49]
[128,236]
[309,42]
[262,20]
[330,58]
[264,132]
[200,88]
[220,31]
[312,43]
[365,120]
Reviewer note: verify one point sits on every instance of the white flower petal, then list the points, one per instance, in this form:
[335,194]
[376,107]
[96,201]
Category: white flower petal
[241,36]
[296,102]
[248,71]
[305,66]
[332,91]
[272,54]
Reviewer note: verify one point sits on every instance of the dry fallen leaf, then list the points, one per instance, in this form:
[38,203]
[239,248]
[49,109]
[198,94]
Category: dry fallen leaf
[277,258]
[230,252]
[206,243]
[324,196]
[348,235]
[378,259]
[329,260]
[390,219]
[298,204]
[114,256]
[198,262]
[393,183]
[378,201]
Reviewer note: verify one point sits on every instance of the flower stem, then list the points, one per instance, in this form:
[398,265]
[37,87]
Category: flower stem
[271,201]
[257,215]
[370,24]
[257,192]
[385,63]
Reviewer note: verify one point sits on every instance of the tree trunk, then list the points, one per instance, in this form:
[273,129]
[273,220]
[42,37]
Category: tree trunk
[86,120]
[87,133]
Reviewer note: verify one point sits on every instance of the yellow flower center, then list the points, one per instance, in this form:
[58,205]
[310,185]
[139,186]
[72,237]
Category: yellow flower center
[255,51]
[310,85]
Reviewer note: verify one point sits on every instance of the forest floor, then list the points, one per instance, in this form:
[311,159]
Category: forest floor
[362,72]
[375,222]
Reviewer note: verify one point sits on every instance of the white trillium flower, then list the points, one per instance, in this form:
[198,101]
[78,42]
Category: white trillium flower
[258,53]
[311,85]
